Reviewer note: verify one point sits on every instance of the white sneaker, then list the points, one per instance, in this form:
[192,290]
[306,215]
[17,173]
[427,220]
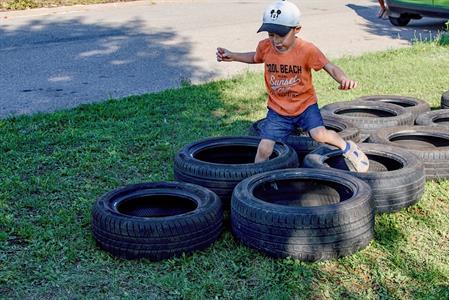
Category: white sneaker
[356,157]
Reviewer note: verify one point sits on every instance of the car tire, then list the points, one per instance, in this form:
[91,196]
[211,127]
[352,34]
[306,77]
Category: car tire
[304,144]
[308,214]
[445,100]
[396,176]
[156,220]
[369,116]
[414,105]
[220,163]
[429,143]
[400,21]
[438,117]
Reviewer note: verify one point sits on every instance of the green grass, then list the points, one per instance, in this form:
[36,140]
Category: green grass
[26,4]
[54,166]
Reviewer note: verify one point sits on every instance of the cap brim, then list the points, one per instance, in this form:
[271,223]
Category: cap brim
[275,28]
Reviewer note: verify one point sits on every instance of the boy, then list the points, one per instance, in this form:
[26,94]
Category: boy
[292,100]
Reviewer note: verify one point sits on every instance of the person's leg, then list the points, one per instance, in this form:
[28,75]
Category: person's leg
[264,150]
[382,9]
[350,150]
[312,121]
[275,128]
[326,136]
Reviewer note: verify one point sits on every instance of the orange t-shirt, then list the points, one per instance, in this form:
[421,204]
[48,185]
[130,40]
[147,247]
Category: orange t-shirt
[288,75]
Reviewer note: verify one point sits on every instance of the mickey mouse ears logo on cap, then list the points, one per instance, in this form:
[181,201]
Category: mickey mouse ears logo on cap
[275,13]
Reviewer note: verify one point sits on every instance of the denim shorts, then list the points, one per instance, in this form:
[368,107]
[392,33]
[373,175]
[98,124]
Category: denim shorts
[277,127]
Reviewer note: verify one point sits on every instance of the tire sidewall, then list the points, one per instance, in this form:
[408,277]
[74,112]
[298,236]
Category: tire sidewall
[243,192]
[186,155]
[204,198]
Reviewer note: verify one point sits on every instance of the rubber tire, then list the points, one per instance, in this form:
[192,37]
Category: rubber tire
[401,21]
[131,235]
[364,121]
[435,158]
[438,117]
[414,105]
[223,177]
[396,176]
[445,100]
[309,233]
[304,144]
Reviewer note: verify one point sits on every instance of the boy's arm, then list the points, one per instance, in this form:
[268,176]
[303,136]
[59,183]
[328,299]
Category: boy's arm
[226,55]
[340,77]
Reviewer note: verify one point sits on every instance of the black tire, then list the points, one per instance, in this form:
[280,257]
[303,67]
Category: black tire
[308,214]
[220,163]
[156,220]
[429,143]
[369,116]
[445,100]
[438,117]
[304,144]
[414,105]
[401,21]
[396,176]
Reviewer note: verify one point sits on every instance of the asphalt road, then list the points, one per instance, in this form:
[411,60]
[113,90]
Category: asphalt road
[52,59]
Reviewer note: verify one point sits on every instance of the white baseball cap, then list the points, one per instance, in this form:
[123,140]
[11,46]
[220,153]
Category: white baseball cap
[280,17]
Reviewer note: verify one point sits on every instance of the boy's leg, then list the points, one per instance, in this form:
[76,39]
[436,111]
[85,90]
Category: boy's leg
[275,128]
[350,150]
[264,150]
[312,121]
[326,136]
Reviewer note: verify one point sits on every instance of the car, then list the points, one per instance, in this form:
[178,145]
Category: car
[400,12]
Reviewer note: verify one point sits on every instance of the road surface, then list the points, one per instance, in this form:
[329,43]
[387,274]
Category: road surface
[58,58]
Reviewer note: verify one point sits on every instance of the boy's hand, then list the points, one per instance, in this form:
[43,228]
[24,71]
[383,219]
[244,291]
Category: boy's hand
[223,54]
[347,84]
[339,76]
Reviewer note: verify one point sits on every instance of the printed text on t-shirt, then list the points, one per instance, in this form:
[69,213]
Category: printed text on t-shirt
[284,69]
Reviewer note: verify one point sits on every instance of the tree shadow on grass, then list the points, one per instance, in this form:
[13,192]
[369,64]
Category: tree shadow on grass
[54,167]
[51,65]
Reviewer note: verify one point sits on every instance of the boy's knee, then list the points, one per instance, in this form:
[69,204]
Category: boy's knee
[264,150]
[319,134]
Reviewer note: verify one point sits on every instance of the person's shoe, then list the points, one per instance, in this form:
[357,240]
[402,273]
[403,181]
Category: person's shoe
[356,157]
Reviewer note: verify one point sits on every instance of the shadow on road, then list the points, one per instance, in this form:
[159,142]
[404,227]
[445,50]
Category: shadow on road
[420,30]
[49,65]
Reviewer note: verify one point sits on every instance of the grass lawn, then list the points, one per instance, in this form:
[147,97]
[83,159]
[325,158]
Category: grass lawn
[26,4]
[54,166]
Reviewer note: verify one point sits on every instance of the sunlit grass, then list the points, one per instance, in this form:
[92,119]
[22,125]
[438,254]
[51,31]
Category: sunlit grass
[54,166]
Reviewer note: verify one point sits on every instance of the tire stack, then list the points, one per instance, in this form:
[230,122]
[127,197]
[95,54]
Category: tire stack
[157,220]
[219,164]
[319,212]
[429,143]
[396,176]
[307,214]
[414,105]
[162,220]
[276,207]
[428,140]
[369,116]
